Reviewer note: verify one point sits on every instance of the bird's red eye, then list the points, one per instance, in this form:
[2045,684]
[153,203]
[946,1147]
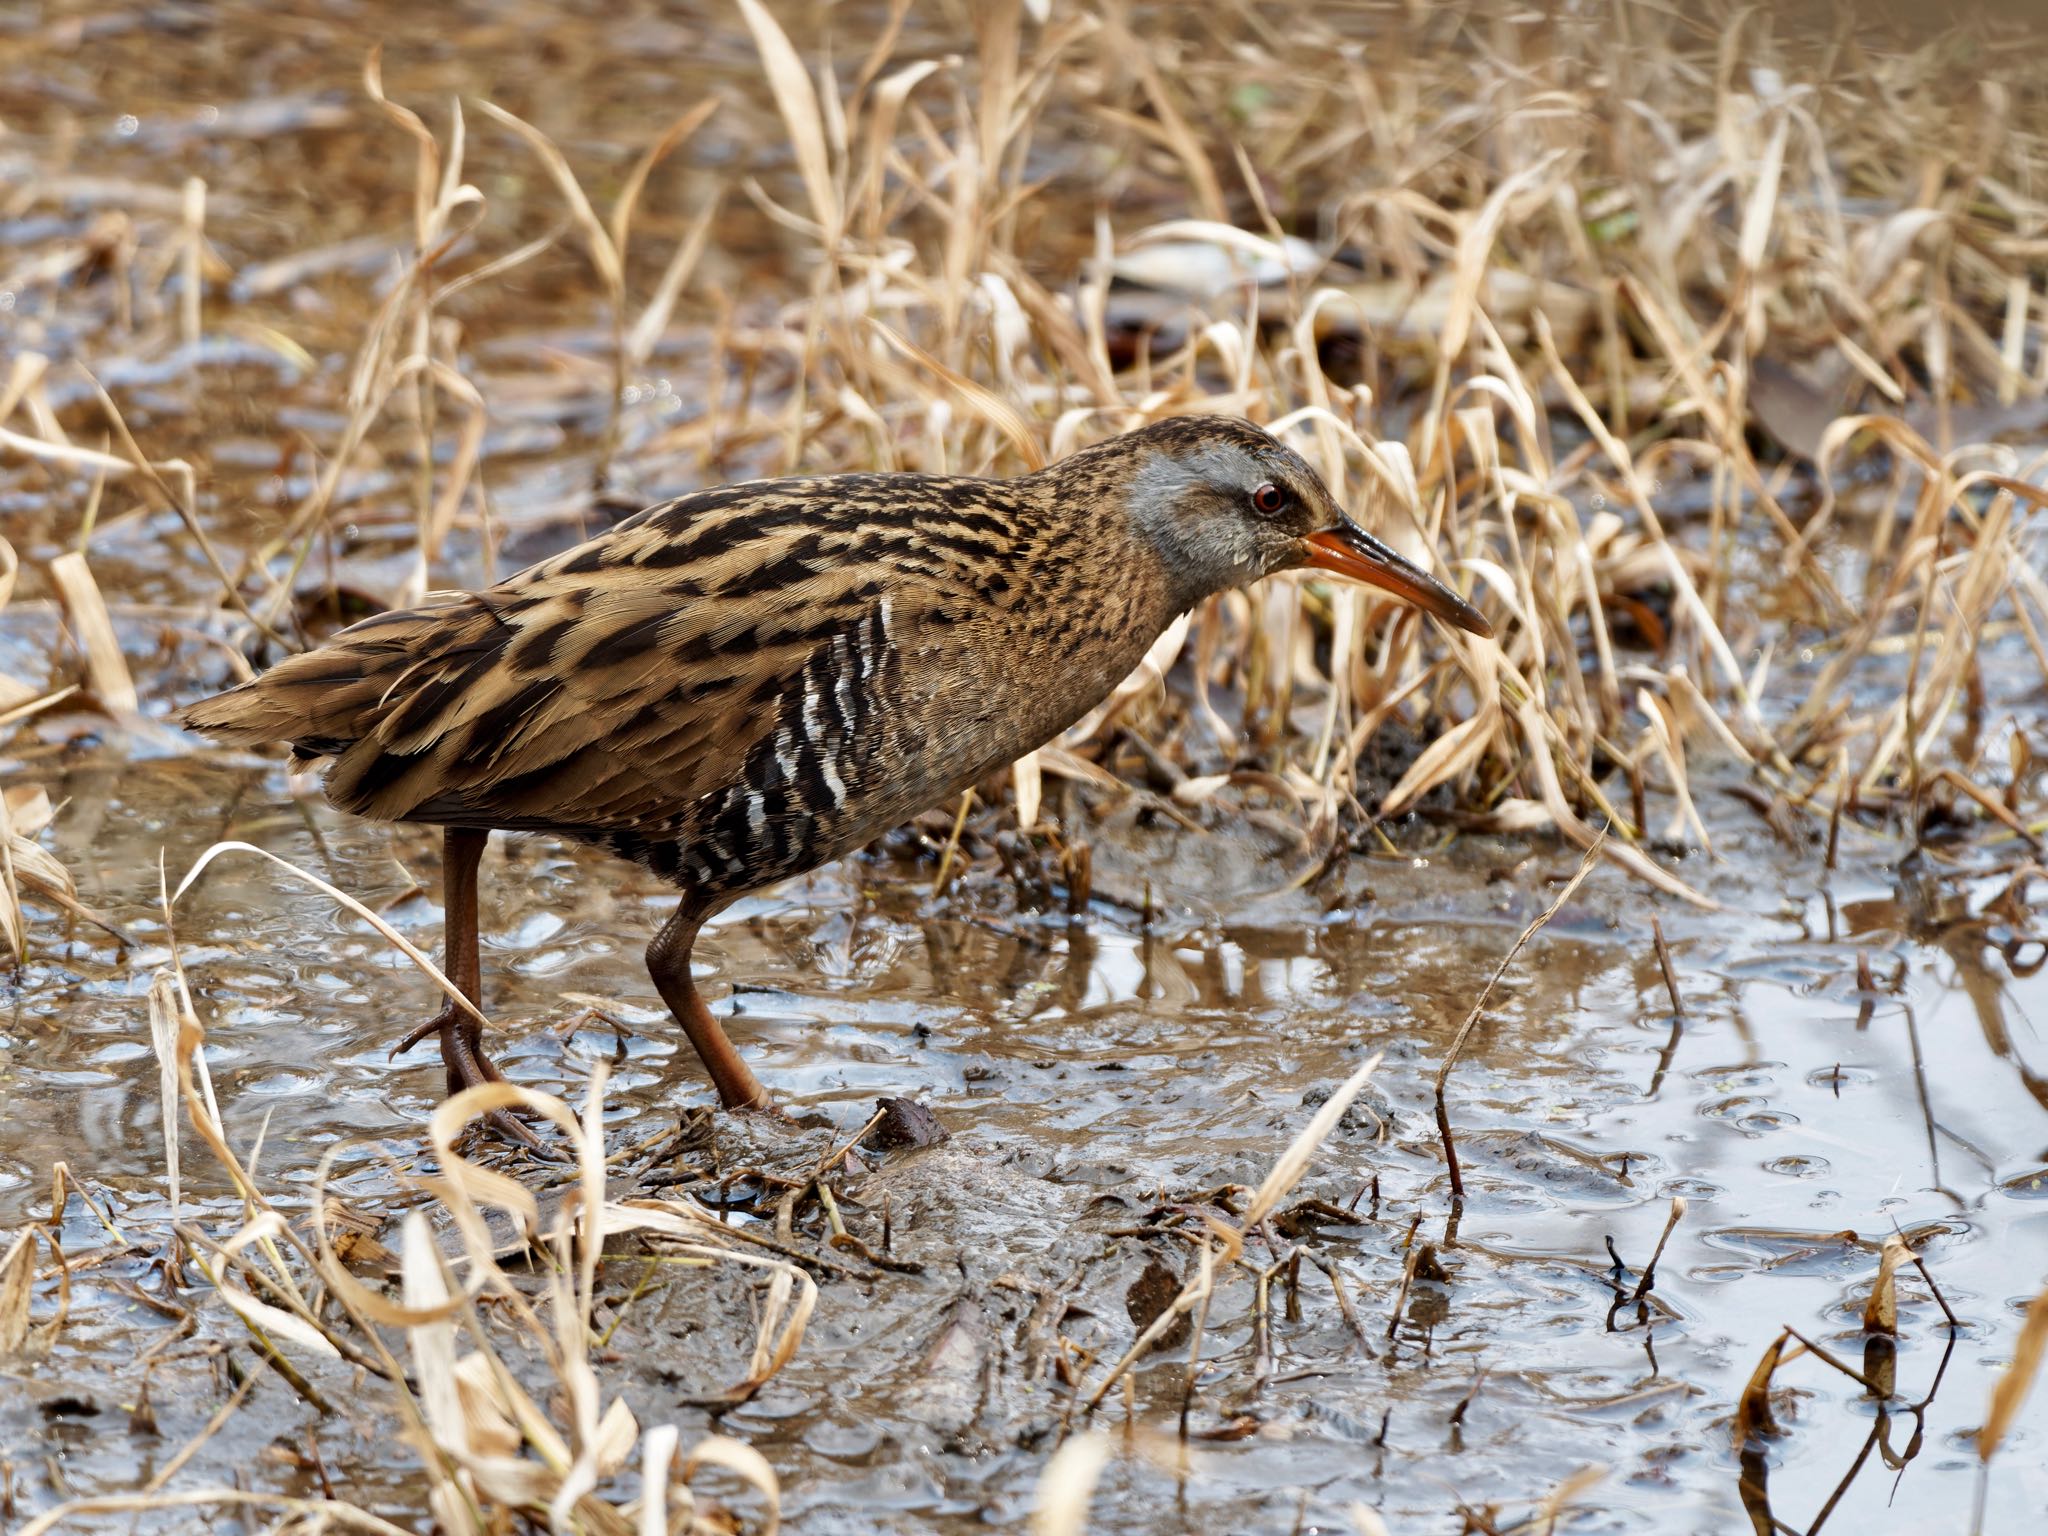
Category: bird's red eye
[1269,498]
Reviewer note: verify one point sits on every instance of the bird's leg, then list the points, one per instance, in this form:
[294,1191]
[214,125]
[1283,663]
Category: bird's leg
[668,962]
[462,1053]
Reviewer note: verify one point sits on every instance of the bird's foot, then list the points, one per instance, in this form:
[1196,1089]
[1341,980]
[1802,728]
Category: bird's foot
[764,1109]
[739,1091]
[462,1053]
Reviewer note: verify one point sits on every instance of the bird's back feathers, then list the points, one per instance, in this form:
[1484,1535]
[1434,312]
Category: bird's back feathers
[617,686]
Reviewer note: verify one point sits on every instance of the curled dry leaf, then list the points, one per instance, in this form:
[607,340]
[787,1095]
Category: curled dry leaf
[738,1457]
[17,1287]
[1753,1416]
[1881,1309]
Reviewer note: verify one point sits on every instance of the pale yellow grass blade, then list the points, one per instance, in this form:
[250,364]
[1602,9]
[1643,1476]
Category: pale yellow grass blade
[738,1457]
[265,1319]
[685,124]
[105,666]
[2009,1392]
[604,255]
[1293,1163]
[1068,1483]
[334,893]
[17,1286]
[797,99]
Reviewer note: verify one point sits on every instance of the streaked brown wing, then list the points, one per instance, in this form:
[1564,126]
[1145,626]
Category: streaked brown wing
[608,688]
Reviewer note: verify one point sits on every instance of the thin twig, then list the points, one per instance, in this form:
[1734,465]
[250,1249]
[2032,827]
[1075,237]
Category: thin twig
[1443,1115]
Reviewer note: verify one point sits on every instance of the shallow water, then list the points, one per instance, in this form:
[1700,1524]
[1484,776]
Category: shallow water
[1091,1072]
[1088,1073]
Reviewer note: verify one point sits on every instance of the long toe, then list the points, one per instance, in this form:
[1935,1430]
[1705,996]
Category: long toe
[439,1024]
[512,1129]
[469,1067]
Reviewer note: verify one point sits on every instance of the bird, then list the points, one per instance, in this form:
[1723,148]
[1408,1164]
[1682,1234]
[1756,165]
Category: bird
[749,681]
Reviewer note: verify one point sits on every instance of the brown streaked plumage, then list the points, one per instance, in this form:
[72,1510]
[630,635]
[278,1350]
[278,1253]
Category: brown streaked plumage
[744,683]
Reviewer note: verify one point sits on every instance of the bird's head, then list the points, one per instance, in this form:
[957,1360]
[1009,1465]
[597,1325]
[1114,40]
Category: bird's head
[1223,503]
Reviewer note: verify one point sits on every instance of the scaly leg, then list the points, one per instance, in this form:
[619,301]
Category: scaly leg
[668,962]
[462,1053]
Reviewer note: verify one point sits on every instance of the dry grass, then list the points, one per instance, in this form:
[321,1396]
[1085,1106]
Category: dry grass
[454,1355]
[2010,1391]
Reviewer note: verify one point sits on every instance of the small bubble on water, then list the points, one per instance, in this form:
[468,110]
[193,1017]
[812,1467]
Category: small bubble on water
[6,300]
[128,124]
[1762,1124]
[209,115]
[1798,1167]
[1692,1189]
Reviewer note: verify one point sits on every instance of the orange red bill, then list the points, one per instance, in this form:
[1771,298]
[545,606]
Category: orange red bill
[1348,550]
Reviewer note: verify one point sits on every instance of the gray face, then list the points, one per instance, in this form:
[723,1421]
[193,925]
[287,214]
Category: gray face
[1224,513]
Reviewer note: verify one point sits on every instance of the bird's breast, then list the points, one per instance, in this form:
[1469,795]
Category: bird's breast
[901,711]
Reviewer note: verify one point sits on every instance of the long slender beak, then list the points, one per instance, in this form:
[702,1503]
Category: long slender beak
[1348,550]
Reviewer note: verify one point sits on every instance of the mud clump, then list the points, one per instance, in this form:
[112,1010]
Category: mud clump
[904,1124]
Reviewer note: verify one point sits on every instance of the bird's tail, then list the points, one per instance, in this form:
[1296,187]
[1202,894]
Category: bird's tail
[325,700]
